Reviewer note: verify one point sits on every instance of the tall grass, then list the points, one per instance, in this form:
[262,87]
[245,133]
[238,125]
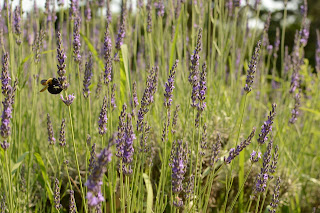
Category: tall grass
[179,107]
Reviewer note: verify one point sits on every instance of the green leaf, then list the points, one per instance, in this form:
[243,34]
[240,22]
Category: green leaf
[93,51]
[124,73]
[19,162]
[149,192]
[44,176]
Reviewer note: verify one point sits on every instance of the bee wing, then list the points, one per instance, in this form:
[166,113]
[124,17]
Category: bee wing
[44,88]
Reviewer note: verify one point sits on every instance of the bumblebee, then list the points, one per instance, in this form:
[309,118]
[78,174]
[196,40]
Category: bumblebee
[52,84]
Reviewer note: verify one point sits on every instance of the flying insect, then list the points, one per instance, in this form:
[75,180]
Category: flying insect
[52,84]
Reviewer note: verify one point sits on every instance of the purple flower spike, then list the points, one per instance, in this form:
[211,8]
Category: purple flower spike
[72,203]
[57,195]
[159,8]
[87,76]
[252,68]
[61,56]
[149,19]
[254,157]
[122,29]
[76,40]
[275,197]
[69,99]
[236,151]
[62,138]
[178,163]
[16,23]
[103,117]
[170,86]
[125,144]
[5,78]
[295,110]
[74,5]
[51,138]
[94,181]
[107,57]
[266,128]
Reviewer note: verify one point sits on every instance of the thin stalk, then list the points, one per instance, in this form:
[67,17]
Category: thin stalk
[76,158]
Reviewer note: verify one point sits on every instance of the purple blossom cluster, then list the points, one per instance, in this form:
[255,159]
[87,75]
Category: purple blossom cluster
[147,98]
[109,17]
[194,70]
[61,56]
[16,23]
[107,57]
[263,176]
[215,151]
[170,86]
[72,203]
[74,5]
[62,137]
[94,182]
[149,16]
[274,162]
[57,195]
[112,97]
[295,110]
[122,29]
[103,117]
[178,164]
[255,156]
[124,141]
[175,119]
[37,45]
[203,141]
[51,138]
[8,92]
[252,68]
[134,95]
[76,40]
[266,128]
[202,88]
[275,197]
[87,76]
[87,12]
[236,151]
[68,100]
[159,8]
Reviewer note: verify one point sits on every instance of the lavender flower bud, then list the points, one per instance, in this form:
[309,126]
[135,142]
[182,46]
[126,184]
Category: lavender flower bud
[74,5]
[263,177]
[5,145]
[76,40]
[109,17]
[252,68]
[275,197]
[69,99]
[62,138]
[235,152]
[194,70]
[103,118]
[5,78]
[122,31]
[159,8]
[112,97]
[216,147]
[37,45]
[94,182]
[170,86]
[92,160]
[295,110]
[134,95]
[125,145]
[274,162]
[16,23]
[87,12]
[99,86]
[203,141]
[57,195]
[266,128]
[87,76]
[189,189]
[254,157]
[178,163]
[144,136]
[72,203]
[51,138]
[149,19]
[107,57]
[61,56]
[175,119]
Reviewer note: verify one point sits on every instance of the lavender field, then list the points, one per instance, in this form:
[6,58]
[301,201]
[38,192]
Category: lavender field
[165,106]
